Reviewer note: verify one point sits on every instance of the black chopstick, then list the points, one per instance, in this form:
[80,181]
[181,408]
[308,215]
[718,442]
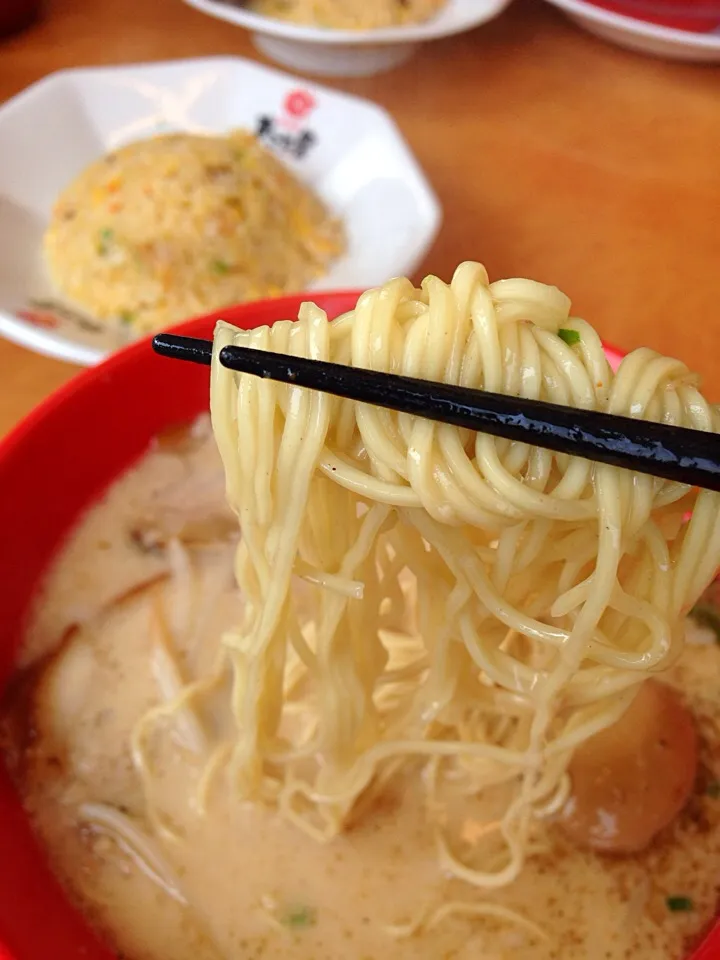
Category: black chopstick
[672,453]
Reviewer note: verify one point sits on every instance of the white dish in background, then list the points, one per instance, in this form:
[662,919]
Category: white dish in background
[644,37]
[348,149]
[349,53]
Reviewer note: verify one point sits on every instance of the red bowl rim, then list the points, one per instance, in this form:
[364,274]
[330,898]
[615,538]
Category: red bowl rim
[288,305]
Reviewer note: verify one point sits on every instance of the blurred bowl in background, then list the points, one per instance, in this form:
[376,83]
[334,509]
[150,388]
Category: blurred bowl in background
[696,44]
[699,16]
[16,15]
[348,53]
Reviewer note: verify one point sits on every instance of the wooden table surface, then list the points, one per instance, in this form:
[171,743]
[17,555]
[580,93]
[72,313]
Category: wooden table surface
[554,155]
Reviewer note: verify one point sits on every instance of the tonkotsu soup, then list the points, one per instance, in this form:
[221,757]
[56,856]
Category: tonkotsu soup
[170,737]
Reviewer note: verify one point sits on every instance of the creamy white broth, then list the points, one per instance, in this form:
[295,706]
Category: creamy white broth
[253,885]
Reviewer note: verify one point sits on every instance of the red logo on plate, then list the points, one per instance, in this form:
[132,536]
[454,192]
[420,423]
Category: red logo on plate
[299,103]
[288,133]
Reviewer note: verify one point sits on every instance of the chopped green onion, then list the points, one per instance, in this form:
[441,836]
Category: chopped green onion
[126,316]
[105,238]
[679,904]
[713,789]
[219,266]
[570,337]
[299,917]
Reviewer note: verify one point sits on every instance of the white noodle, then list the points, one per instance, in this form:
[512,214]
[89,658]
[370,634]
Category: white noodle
[135,844]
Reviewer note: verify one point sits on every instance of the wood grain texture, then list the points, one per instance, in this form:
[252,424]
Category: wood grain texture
[555,156]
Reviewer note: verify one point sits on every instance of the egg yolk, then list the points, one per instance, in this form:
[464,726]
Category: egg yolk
[632,779]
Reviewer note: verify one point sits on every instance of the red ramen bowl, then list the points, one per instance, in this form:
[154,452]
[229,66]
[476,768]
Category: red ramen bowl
[696,16]
[51,467]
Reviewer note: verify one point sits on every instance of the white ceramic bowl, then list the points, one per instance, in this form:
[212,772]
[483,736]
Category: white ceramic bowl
[347,149]
[644,37]
[349,53]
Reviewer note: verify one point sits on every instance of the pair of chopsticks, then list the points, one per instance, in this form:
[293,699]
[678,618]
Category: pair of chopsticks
[672,453]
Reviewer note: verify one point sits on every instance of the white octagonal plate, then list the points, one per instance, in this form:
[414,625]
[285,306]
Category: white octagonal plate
[348,149]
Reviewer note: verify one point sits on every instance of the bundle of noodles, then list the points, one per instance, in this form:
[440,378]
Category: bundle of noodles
[472,609]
